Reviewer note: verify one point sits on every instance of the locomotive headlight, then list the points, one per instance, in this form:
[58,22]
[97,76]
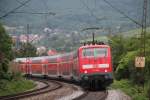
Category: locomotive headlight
[87,66]
[103,65]
[85,71]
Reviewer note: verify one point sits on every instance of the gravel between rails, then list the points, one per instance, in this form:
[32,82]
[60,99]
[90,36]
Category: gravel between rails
[104,95]
[94,95]
[77,92]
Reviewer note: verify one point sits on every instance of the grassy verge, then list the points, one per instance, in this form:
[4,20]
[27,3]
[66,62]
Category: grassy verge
[134,91]
[15,86]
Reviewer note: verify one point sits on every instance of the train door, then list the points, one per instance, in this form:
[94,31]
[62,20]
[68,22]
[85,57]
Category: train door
[28,69]
[66,64]
[44,67]
[58,66]
[52,67]
[28,66]
[36,69]
[71,66]
[75,70]
[22,68]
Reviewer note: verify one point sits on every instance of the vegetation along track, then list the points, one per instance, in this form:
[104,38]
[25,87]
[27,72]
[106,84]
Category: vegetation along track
[42,90]
[93,95]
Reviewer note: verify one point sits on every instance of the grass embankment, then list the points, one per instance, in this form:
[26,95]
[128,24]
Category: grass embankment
[15,86]
[134,91]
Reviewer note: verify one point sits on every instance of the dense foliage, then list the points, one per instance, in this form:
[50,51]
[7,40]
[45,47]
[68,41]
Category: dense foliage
[124,50]
[25,50]
[5,53]
[15,86]
[133,90]
[10,82]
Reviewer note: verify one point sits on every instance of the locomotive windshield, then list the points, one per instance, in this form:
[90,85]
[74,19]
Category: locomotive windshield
[94,52]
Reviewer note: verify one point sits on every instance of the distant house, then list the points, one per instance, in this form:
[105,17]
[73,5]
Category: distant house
[52,52]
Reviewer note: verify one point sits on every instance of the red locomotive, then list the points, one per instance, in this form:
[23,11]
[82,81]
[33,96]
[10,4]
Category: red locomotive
[90,64]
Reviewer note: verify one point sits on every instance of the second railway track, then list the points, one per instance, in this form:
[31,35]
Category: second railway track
[50,85]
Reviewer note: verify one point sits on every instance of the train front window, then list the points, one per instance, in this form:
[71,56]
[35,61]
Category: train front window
[87,52]
[94,52]
[100,52]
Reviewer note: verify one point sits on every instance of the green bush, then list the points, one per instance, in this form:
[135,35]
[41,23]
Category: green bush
[5,53]
[124,51]
[2,84]
[17,76]
[15,86]
[139,97]
[125,67]
[147,89]
[134,91]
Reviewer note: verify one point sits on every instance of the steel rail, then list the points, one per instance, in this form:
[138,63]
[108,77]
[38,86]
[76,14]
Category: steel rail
[35,92]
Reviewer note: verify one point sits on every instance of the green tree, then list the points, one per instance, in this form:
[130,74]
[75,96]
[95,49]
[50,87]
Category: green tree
[5,52]
[26,50]
[124,50]
[125,68]
[117,43]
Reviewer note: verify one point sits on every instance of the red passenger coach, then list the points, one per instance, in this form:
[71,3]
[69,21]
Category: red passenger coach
[89,65]
[24,65]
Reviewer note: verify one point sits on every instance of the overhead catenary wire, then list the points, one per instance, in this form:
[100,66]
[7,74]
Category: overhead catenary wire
[23,3]
[13,10]
[91,28]
[122,13]
[48,13]
[20,2]
[46,8]
[87,7]
[33,12]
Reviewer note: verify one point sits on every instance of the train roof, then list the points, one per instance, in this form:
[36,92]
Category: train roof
[39,59]
[20,60]
[92,46]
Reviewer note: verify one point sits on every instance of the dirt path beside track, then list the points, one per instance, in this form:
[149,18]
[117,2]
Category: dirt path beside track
[117,95]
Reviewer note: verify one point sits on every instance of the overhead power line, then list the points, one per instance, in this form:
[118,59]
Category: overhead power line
[46,8]
[91,28]
[121,12]
[90,10]
[20,2]
[34,12]
[48,13]
[13,10]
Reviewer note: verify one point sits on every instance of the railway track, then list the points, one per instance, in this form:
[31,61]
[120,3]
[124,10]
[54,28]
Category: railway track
[52,85]
[93,95]
[45,89]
